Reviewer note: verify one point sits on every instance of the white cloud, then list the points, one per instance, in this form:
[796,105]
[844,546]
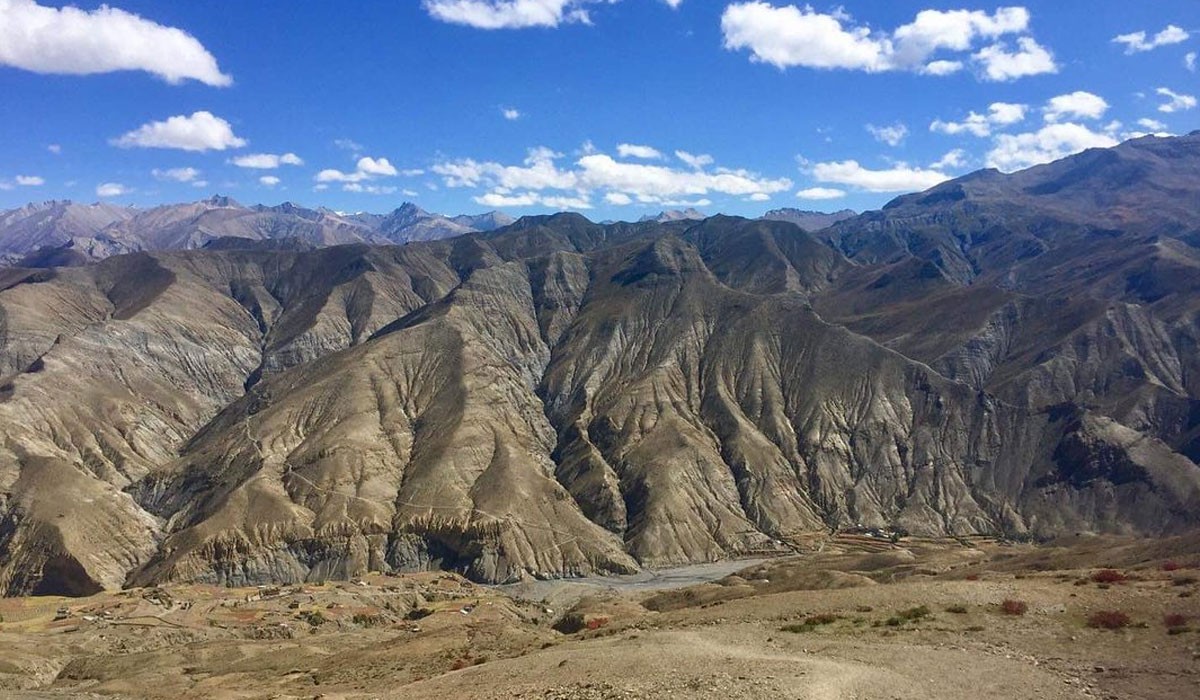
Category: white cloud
[531,199]
[1175,101]
[361,188]
[1152,124]
[820,193]
[367,168]
[789,36]
[942,67]
[1136,42]
[510,113]
[891,135]
[538,172]
[998,114]
[1078,104]
[629,150]
[1031,58]
[112,189]
[268,180]
[1051,142]
[54,148]
[898,178]
[509,14]
[599,174]
[72,41]
[1189,61]
[176,174]
[29,180]
[267,161]
[651,183]
[696,161]
[954,159]
[202,131]
[759,197]
[200,183]
[348,145]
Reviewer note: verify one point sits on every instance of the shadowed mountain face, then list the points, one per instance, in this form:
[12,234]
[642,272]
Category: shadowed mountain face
[559,397]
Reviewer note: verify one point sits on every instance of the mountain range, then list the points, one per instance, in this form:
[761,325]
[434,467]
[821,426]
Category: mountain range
[64,232]
[1004,354]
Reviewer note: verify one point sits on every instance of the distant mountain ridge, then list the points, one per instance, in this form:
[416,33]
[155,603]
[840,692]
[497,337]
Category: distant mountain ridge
[810,221]
[690,214]
[62,232]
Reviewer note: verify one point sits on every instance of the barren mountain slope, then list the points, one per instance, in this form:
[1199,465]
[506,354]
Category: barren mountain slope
[559,397]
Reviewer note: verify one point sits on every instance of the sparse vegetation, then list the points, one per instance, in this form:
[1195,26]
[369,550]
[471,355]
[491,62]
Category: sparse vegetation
[1109,576]
[959,609]
[1171,565]
[367,620]
[1014,607]
[1175,621]
[909,615]
[315,618]
[1109,620]
[811,623]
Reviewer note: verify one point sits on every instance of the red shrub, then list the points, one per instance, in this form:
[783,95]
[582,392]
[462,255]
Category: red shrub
[1108,620]
[1014,607]
[596,623]
[1171,565]
[1108,576]
[459,664]
[1173,620]
[972,577]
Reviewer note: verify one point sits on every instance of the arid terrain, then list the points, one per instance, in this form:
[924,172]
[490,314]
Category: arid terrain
[853,617]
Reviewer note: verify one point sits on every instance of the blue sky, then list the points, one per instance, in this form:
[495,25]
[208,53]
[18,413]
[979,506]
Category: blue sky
[614,108]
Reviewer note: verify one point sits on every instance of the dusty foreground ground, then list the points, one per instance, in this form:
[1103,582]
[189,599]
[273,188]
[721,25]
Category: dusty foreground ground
[854,618]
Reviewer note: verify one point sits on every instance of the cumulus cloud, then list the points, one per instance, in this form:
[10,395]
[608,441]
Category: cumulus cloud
[72,41]
[891,135]
[176,174]
[367,168]
[510,113]
[1078,104]
[202,131]
[1175,101]
[998,114]
[1152,124]
[629,150]
[30,180]
[267,161]
[1189,61]
[361,188]
[112,189]
[954,159]
[696,161]
[1136,42]
[268,180]
[821,193]
[789,36]
[999,64]
[509,14]
[594,173]
[942,67]
[1051,142]
[899,178]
